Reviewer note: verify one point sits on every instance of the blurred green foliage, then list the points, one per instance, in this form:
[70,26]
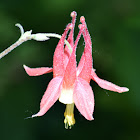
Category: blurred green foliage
[114,26]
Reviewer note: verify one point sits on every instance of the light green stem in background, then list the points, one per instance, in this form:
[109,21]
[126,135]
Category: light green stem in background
[59,36]
[25,36]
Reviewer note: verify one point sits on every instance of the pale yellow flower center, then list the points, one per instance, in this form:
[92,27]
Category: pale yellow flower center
[69,116]
[66,96]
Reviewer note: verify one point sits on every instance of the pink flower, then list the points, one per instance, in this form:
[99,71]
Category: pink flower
[70,84]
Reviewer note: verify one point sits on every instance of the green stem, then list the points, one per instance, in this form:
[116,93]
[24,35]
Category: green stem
[59,36]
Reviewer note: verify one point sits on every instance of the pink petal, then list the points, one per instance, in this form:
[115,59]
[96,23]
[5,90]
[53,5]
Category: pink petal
[58,60]
[88,39]
[84,98]
[37,71]
[82,20]
[107,85]
[51,96]
[70,39]
[86,64]
[82,60]
[87,60]
[70,71]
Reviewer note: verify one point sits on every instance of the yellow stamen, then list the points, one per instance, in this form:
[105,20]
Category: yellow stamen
[69,116]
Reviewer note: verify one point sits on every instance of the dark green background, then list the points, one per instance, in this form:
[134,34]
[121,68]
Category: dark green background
[114,26]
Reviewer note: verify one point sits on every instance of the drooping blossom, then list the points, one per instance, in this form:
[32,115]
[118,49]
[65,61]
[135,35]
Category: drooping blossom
[71,83]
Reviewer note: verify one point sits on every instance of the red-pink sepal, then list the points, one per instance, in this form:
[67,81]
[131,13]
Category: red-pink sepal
[107,85]
[84,98]
[51,95]
[58,59]
[37,71]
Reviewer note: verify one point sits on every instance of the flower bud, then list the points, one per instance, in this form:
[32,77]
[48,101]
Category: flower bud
[40,37]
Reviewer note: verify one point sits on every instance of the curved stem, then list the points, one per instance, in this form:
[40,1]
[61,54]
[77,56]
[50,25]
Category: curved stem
[20,27]
[25,36]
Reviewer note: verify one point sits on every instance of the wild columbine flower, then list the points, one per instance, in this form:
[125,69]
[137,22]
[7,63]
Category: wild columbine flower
[70,84]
